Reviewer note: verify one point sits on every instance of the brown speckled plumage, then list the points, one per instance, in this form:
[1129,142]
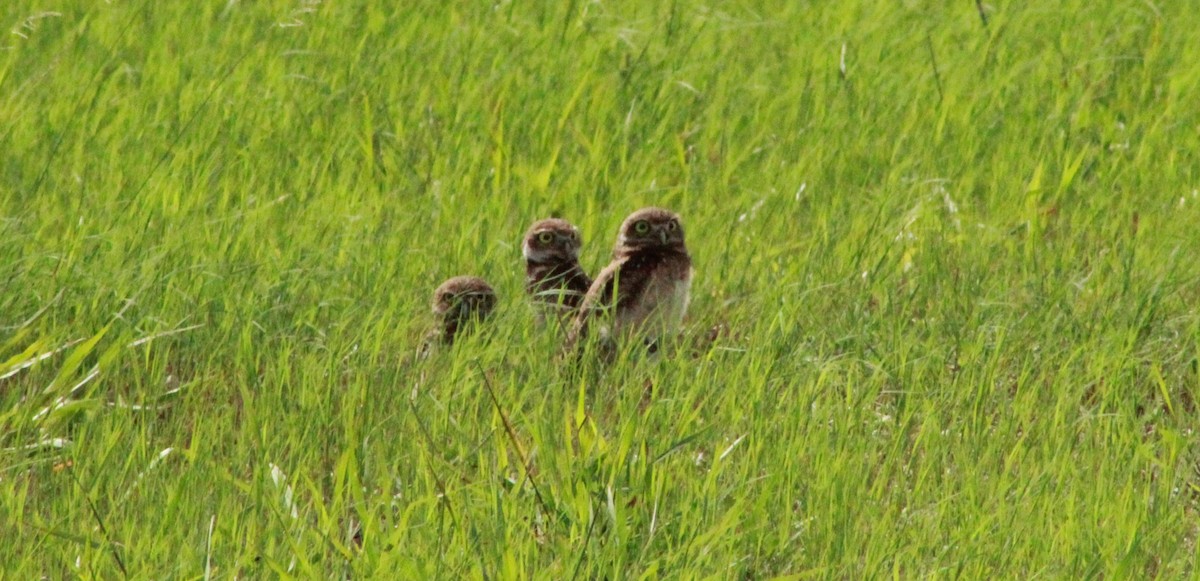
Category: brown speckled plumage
[645,289]
[554,281]
[459,304]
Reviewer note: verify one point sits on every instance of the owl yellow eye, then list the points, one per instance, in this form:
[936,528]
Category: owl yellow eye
[672,225]
[641,227]
[546,237]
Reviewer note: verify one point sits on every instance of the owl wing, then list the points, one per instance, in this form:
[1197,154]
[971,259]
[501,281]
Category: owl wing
[563,285]
[596,302]
[619,286]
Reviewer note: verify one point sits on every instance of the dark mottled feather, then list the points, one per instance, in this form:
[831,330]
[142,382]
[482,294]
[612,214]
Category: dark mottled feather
[557,283]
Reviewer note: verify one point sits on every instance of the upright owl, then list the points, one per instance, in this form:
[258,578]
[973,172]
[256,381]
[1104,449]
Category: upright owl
[460,304]
[554,281]
[645,290]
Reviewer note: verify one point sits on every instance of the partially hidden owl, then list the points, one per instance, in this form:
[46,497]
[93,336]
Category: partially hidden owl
[554,281]
[459,304]
[645,290]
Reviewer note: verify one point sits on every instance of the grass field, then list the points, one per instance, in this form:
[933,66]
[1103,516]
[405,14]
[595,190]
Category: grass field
[957,254]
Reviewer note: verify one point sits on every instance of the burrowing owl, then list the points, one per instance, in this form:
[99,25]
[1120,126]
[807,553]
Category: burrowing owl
[458,304]
[645,289]
[553,278]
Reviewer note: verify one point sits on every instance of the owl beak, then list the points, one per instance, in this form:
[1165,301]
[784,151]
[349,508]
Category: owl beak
[662,234]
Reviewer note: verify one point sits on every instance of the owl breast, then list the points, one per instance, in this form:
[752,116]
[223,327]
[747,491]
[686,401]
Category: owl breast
[659,310]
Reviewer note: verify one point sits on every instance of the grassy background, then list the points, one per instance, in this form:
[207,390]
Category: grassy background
[958,261]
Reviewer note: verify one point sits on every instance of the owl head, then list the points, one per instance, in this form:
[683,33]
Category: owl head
[464,298]
[650,228]
[551,240]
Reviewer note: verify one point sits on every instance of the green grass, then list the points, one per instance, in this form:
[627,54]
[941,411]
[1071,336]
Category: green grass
[958,262]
